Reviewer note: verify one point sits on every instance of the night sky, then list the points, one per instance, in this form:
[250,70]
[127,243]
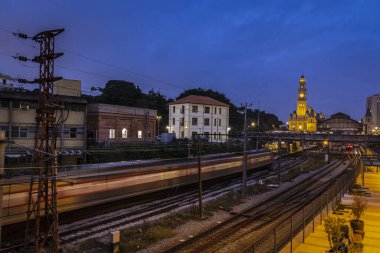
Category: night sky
[245,49]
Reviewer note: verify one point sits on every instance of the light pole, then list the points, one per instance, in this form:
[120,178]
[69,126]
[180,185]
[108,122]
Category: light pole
[245,150]
[158,124]
[258,120]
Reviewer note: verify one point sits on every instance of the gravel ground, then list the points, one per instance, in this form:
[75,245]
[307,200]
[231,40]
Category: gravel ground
[195,227]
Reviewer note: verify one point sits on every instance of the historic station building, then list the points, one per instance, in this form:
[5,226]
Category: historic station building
[304,118]
[340,123]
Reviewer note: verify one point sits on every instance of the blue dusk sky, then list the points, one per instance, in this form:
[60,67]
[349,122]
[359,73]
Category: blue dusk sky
[245,49]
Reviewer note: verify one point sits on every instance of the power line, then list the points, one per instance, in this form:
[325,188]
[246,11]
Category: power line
[24,36]
[83,71]
[120,68]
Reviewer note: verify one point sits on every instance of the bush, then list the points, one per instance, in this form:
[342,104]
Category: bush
[358,206]
[332,226]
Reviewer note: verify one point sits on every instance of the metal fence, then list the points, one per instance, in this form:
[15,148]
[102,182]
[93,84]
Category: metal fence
[292,230]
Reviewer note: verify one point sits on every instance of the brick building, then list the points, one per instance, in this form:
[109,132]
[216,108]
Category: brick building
[115,123]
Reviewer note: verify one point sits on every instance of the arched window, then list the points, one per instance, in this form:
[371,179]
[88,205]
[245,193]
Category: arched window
[124,133]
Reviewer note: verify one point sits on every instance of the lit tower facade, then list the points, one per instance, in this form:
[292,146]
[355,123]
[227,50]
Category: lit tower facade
[304,118]
[302,101]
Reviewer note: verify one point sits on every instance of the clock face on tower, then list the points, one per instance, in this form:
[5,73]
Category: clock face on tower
[302,95]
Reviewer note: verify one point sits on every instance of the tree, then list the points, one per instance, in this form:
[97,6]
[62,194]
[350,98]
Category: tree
[119,92]
[209,93]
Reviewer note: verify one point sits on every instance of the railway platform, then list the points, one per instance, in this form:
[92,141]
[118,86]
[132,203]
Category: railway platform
[317,241]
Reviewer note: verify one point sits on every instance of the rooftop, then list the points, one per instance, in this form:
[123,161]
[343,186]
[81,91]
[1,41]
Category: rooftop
[119,109]
[22,94]
[195,99]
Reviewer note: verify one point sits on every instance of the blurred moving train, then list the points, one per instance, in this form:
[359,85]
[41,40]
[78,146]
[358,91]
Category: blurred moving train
[90,189]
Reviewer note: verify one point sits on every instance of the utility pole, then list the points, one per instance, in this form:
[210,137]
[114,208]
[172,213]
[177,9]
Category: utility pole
[158,124]
[258,121]
[2,157]
[279,161]
[244,186]
[42,205]
[200,203]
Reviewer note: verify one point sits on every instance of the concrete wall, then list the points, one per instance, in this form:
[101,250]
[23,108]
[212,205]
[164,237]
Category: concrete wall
[26,118]
[67,87]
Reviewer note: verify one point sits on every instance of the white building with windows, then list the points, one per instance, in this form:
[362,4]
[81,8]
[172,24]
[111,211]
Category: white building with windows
[199,115]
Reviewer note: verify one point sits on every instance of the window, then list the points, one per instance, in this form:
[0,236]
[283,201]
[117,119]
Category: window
[4,103]
[173,121]
[182,134]
[220,135]
[124,133]
[73,133]
[14,132]
[214,122]
[220,122]
[193,134]
[173,109]
[220,110]
[214,135]
[17,132]
[112,134]
[183,109]
[194,121]
[195,108]
[23,132]
[5,129]
[139,134]
[207,109]
[207,122]
[214,110]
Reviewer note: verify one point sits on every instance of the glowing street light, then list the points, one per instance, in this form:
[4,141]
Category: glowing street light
[158,117]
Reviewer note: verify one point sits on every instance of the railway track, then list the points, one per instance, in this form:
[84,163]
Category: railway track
[97,225]
[254,220]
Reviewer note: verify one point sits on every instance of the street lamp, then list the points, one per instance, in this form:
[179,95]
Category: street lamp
[253,124]
[158,124]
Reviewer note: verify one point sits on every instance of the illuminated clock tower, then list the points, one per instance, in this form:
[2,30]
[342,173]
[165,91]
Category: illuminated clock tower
[301,101]
[303,118]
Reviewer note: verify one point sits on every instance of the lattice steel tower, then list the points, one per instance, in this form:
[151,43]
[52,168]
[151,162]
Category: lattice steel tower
[43,185]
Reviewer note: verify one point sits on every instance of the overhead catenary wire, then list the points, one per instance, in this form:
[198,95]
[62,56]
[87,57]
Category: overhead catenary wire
[23,36]
[120,68]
